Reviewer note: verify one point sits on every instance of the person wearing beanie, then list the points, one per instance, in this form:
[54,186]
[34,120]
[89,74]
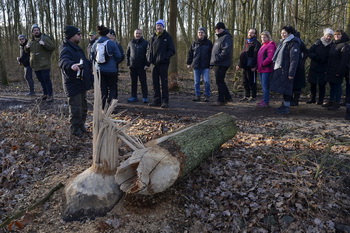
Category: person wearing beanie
[220,61]
[161,48]
[92,40]
[40,48]
[319,53]
[77,78]
[137,62]
[199,59]
[248,62]
[109,69]
[286,60]
[23,60]
[338,70]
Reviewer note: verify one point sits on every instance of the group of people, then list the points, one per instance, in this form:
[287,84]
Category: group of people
[281,68]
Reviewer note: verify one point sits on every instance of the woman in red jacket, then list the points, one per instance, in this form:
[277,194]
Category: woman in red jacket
[265,65]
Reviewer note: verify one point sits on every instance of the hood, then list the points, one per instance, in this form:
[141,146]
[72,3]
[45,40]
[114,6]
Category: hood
[344,38]
[102,39]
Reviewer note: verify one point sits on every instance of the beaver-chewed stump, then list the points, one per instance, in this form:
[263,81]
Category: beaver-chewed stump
[164,160]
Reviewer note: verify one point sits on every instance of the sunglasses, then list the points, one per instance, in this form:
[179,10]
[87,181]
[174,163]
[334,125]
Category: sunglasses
[21,39]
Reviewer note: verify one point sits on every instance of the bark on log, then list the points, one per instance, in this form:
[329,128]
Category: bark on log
[166,159]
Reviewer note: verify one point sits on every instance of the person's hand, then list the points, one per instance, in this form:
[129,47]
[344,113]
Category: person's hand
[253,69]
[41,42]
[188,66]
[145,68]
[75,67]
[237,67]
[28,46]
[290,77]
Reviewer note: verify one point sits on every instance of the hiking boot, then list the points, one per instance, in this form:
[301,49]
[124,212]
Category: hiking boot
[251,99]
[327,104]
[132,99]
[244,98]
[145,100]
[43,97]
[334,106]
[30,94]
[206,98]
[164,105]
[49,98]
[320,102]
[197,98]
[283,110]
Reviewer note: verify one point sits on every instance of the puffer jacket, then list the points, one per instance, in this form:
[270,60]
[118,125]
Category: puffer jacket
[199,54]
[160,49]
[338,61]
[265,55]
[136,53]
[221,54]
[248,57]
[40,55]
[70,54]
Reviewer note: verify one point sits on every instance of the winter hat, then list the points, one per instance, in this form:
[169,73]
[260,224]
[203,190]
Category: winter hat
[70,31]
[22,37]
[161,21]
[202,29]
[35,26]
[102,30]
[328,31]
[220,25]
[112,32]
[92,33]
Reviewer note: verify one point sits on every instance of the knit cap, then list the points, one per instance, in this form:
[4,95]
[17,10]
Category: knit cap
[70,31]
[220,25]
[328,31]
[161,21]
[203,29]
[22,37]
[35,26]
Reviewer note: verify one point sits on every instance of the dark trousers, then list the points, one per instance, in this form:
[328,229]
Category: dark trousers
[138,73]
[108,87]
[45,81]
[220,73]
[321,91]
[347,90]
[249,82]
[77,112]
[335,92]
[28,75]
[160,79]
[287,98]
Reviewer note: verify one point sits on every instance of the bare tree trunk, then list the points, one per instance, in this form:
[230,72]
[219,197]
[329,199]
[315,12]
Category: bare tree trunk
[173,84]
[135,16]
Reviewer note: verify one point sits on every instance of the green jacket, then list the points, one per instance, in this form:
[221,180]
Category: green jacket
[40,55]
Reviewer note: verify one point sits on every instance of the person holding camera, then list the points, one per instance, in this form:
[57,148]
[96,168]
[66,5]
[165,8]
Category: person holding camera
[23,60]
[76,77]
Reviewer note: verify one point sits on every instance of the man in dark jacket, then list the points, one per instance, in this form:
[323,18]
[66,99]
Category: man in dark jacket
[248,61]
[23,60]
[220,61]
[160,49]
[137,62]
[199,59]
[76,77]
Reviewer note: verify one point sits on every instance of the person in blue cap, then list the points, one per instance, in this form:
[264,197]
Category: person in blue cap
[161,48]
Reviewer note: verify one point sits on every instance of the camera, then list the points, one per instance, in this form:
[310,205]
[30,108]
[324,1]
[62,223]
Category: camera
[80,72]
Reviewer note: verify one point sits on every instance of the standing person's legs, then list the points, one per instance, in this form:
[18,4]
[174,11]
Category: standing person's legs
[40,78]
[28,74]
[205,74]
[313,91]
[133,75]
[321,93]
[252,76]
[246,83]
[47,81]
[156,85]
[164,80]
[143,80]
[224,94]
[347,90]
[197,81]
[265,77]
[76,113]
[104,89]
[112,79]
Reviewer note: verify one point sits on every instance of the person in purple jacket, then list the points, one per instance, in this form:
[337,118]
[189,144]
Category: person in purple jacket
[265,65]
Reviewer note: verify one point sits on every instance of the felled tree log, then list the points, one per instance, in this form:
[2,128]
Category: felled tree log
[166,159]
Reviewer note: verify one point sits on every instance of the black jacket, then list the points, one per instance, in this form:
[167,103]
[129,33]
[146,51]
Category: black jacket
[318,54]
[121,52]
[136,53]
[70,54]
[199,54]
[221,55]
[248,57]
[299,78]
[338,60]
[23,55]
[160,49]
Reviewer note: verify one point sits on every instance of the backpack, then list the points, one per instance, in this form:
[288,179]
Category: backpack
[102,55]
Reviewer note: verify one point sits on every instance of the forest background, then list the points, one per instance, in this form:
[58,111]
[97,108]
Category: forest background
[183,17]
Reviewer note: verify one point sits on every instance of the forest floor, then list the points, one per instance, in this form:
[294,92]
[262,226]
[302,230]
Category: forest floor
[278,174]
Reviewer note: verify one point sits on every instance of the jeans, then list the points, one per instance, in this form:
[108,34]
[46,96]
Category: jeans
[224,94]
[249,82]
[77,112]
[139,73]
[160,79]
[197,80]
[28,75]
[335,92]
[108,87]
[265,80]
[45,81]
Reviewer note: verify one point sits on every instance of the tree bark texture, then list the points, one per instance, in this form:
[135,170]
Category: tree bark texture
[165,160]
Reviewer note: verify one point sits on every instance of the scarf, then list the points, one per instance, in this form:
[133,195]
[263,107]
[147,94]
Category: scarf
[251,39]
[324,42]
[278,56]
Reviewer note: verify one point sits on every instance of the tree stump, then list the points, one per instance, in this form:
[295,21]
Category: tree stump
[166,159]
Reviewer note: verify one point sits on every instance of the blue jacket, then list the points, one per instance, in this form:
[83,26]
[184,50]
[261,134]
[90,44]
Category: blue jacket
[70,54]
[112,49]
